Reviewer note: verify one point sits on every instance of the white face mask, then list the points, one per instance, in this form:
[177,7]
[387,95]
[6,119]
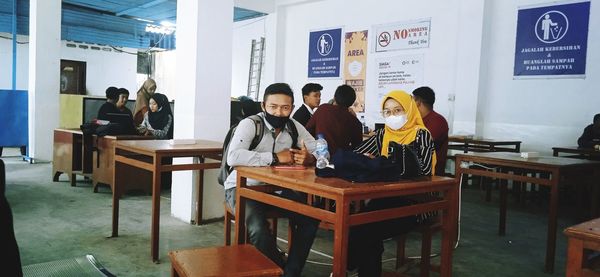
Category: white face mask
[395,121]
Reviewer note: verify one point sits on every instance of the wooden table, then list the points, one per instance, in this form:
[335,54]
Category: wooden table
[104,156]
[72,154]
[344,192]
[467,144]
[148,155]
[555,167]
[583,153]
[581,237]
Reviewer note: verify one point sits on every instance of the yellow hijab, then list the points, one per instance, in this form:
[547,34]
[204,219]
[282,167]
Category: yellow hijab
[408,133]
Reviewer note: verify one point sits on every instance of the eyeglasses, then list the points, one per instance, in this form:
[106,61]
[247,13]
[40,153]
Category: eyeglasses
[283,108]
[394,111]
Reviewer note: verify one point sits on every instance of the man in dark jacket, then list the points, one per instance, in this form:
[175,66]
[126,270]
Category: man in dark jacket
[311,94]
[591,134]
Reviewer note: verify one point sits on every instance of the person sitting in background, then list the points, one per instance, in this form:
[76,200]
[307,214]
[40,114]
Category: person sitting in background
[403,125]
[341,128]
[141,102]
[436,124]
[247,108]
[112,95]
[591,134]
[311,95]
[123,95]
[158,120]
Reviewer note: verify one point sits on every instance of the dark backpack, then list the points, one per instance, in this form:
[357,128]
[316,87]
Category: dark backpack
[225,169]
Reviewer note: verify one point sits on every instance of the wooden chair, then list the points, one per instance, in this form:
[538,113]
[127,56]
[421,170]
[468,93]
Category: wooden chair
[427,230]
[238,260]
[272,217]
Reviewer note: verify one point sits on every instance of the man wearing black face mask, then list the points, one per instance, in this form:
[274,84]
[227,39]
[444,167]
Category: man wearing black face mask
[275,147]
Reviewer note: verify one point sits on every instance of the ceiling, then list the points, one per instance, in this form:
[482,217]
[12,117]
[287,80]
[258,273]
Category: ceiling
[119,23]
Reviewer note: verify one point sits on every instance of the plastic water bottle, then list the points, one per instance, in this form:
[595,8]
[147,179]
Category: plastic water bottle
[322,152]
[365,128]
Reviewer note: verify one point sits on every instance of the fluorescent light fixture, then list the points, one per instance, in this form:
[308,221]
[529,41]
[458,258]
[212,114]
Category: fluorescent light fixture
[159,29]
[166,23]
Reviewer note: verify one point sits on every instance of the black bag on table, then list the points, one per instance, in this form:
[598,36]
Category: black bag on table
[401,163]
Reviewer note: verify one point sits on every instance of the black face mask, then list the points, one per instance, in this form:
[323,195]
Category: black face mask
[276,121]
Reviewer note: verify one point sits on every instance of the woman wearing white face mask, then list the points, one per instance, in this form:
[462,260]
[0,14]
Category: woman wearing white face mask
[403,125]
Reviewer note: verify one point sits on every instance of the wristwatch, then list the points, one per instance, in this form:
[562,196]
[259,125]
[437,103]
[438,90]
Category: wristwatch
[275,159]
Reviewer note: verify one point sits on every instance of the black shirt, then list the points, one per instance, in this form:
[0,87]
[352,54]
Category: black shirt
[105,109]
[302,115]
[589,138]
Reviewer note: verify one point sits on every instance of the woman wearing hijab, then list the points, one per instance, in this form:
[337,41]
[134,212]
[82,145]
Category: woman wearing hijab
[141,102]
[158,120]
[403,125]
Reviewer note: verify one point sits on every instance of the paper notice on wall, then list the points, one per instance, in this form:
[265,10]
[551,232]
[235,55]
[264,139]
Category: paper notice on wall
[397,73]
[355,66]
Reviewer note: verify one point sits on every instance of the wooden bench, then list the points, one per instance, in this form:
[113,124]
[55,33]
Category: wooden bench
[238,260]
[583,238]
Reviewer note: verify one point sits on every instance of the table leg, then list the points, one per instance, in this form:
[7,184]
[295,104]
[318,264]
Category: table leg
[551,240]
[595,187]
[200,193]
[503,199]
[449,231]
[458,174]
[341,234]
[156,178]
[116,188]
[73,180]
[240,213]
[575,258]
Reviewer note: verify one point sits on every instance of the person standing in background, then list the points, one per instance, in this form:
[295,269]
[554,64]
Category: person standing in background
[141,102]
[311,95]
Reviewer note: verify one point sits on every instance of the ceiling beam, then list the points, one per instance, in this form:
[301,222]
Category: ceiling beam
[143,6]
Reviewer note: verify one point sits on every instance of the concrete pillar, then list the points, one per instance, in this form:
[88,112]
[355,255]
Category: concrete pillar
[44,75]
[203,55]
[463,100]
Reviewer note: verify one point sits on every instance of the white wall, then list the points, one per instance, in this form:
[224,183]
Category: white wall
[470,57]
[243,34]
[455,36]
[104,68]
[540,112]
[164,74]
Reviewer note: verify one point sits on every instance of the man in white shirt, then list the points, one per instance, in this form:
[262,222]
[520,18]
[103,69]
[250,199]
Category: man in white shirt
[275,147]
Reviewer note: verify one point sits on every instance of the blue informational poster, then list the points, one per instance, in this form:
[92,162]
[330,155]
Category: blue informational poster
[552,40]
[324,51]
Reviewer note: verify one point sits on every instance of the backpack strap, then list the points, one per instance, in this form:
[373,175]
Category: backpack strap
[293,133]
[259,131]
